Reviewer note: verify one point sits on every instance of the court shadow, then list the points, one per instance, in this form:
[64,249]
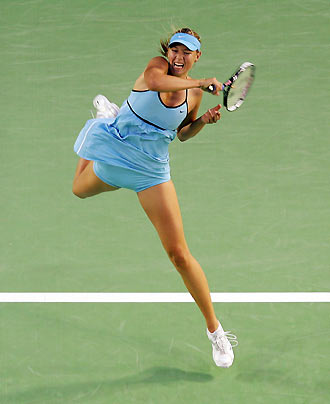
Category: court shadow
[107,387]
[164,375]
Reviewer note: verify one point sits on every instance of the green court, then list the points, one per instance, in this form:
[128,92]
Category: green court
[254,194]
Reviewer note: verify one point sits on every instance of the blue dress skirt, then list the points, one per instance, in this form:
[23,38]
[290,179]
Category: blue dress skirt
[127,152]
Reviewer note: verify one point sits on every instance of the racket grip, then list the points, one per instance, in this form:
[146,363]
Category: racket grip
[211,88]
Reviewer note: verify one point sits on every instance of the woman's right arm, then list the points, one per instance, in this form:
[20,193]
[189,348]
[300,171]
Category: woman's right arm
[157,79]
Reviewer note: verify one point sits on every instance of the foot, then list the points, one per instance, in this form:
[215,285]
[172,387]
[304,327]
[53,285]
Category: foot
[223,354]
[105,108]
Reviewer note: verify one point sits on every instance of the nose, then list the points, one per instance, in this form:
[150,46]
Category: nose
[179,59]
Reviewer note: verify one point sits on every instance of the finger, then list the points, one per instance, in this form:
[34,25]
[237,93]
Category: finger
[213,117]
[217,116]
[215,111]
[207,116]
[216,91]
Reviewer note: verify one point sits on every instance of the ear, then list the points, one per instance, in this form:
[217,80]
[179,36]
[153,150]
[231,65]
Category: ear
[198,55]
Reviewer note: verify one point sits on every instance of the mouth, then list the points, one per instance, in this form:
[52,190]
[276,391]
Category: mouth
[178,65]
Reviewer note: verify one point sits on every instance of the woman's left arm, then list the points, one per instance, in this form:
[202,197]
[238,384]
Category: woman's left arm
[191,126]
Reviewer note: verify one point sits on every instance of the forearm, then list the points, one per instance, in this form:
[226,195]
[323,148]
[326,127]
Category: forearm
[166,83]
[156,77]
[191,130]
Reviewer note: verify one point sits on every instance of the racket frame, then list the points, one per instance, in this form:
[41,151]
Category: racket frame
[226,88]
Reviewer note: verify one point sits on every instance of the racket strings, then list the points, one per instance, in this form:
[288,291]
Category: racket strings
[238,91]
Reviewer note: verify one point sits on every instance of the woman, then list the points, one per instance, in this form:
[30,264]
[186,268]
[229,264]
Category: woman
[130,150]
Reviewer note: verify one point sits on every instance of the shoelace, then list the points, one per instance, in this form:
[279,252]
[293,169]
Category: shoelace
[222,339]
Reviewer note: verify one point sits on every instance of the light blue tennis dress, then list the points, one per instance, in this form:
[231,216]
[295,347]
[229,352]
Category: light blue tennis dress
[131,150]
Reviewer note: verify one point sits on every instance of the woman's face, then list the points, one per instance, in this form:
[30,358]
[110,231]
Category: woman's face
[181,59]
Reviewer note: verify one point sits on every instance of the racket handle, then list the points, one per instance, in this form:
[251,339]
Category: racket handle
[211,88]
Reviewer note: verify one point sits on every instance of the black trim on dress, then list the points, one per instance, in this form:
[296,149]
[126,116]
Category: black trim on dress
[176,106]
[144,120]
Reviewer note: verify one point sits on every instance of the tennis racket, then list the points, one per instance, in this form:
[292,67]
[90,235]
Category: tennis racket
[236,88]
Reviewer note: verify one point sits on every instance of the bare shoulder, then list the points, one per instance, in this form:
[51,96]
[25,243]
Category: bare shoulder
[158,61]
[196,92]
[157,64]
[194,98]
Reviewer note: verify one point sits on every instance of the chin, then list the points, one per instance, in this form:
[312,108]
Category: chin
[178,73]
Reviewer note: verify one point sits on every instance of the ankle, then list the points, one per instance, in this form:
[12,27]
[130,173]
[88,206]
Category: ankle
[213,326]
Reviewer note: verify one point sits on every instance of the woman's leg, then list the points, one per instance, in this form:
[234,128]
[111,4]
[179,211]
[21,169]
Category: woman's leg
[86,183]
[161,205]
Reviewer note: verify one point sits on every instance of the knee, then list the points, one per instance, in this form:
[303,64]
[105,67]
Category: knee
[180,257]
[77,192]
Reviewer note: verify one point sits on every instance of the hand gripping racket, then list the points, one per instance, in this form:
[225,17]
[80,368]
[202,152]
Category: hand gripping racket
[236,88]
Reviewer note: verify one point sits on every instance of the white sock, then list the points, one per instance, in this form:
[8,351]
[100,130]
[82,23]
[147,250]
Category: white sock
[219,329]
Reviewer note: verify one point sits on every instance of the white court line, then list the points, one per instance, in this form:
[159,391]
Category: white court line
[255,297]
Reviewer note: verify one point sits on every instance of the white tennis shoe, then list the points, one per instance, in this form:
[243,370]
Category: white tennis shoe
[105,108]
[222,344]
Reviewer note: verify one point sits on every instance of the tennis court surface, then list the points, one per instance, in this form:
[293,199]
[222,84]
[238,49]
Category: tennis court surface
[254,194]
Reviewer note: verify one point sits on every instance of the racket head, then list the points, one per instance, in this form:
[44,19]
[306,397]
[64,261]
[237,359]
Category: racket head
[241,81]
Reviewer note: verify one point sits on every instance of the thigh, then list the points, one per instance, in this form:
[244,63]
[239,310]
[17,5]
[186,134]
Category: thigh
[126,177]
[87,183]
[161,205]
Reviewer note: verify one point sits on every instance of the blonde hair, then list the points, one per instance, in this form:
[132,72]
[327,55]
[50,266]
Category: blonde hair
[164,43]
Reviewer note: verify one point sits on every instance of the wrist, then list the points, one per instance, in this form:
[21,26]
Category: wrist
[200,83]
[193,83]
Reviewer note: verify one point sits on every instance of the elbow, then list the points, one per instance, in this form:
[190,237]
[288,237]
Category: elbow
[180,137]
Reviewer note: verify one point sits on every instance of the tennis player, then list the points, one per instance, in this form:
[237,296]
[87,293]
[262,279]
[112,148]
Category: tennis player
[128,148]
